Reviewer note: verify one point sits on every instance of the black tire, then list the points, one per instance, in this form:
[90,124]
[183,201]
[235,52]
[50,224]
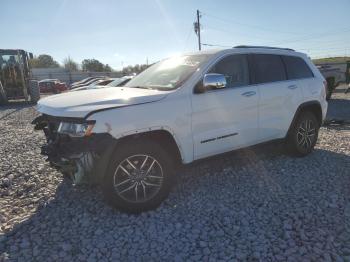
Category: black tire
[34,91]
[135,150]
[298,144]
[3,96]
[330,88]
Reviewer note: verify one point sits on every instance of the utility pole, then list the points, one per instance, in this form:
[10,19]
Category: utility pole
[197,29]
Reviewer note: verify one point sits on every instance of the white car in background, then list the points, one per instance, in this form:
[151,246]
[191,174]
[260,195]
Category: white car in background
[112,82]
[87,81]
[181,109]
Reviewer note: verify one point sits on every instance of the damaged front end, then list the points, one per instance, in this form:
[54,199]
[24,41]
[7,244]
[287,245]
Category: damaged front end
[73,148]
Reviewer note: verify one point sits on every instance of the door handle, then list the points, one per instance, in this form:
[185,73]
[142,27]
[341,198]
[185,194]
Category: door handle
[292,86]
[249,93]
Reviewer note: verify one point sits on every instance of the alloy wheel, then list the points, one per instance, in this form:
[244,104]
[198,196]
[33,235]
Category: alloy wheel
[138,178]
[306,134]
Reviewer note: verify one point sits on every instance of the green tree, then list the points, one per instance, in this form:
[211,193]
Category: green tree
[107,68]
[134,69]
[69,64]
[92,65]
[43,61]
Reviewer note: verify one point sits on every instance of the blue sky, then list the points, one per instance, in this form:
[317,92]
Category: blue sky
[128,32]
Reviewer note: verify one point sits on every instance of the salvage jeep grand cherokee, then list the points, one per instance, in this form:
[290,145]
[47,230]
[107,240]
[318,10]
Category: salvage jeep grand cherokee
[188,107]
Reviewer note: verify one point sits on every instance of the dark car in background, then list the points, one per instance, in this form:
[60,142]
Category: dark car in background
[52,86]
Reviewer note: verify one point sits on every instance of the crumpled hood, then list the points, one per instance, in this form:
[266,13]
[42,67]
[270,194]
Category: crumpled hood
[79,104]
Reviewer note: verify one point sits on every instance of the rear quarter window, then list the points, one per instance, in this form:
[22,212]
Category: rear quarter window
[268,68]
[296,67]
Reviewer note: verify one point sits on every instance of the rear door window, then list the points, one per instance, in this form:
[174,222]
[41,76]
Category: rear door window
[268,68]
[235,69]
[296,67]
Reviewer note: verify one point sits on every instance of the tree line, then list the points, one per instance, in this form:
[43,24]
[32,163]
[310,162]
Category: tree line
[88,65]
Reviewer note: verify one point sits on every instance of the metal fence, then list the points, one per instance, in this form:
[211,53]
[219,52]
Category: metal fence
[67,76]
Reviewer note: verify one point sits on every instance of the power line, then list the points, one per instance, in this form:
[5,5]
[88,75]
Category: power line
[291,40]
[311,37]
[319,45]
[248,25]
[187,38]
[324,49]
[214,45]
[329,41]
[232,32]
[310,48]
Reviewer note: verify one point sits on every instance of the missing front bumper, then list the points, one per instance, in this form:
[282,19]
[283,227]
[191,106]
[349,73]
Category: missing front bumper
[79,158]
[83,159]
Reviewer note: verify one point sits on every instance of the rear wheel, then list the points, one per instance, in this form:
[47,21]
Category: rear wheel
[139,177]
[303,136]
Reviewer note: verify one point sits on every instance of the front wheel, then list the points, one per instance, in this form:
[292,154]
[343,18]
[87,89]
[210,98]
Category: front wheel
[139,177]
[3,96]
[34,91]
[303,136]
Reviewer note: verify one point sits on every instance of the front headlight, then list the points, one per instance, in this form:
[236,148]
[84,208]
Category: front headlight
[76,129]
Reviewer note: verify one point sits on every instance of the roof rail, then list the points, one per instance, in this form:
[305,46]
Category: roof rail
[268,47]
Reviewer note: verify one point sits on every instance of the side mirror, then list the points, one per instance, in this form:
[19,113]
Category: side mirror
[211,82]
[214,81]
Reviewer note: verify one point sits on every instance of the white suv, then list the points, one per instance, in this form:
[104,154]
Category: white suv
[130,139]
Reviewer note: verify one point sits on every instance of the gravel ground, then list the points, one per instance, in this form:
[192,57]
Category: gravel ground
[250,205]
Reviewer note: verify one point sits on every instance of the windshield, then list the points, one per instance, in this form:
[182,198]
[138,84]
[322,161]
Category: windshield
[169,73]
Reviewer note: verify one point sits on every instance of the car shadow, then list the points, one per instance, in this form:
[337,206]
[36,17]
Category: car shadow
[78,216]
[338,109]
